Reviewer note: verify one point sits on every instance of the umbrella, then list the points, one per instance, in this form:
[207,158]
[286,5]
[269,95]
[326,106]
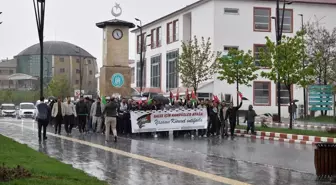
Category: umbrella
[295,100]
[161,98]
[51,98]
[244,98]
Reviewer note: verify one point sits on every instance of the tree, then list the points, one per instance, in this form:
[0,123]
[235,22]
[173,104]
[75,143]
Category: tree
[197,62]
[237,67]
[59,87]
[286,60]
[321,50]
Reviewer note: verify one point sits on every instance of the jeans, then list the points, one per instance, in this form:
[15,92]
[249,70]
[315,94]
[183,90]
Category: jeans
[250,125]
[42,124]
[68,123]
[96,123]
[58,124]
[81,123]
[232,127]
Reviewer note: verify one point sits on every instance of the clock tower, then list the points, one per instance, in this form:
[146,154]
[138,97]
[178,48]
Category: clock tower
[115,74]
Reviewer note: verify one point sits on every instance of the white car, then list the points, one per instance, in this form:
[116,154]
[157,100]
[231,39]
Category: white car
[8,110]
[26,110]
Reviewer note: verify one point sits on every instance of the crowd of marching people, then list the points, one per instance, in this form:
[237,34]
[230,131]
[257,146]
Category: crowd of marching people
[112,115]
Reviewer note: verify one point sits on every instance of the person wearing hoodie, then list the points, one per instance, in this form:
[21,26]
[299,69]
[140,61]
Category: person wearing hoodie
[250,118]
[82,111]
[231,113]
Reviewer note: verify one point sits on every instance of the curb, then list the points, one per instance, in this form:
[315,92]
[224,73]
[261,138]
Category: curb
[294,137]
[297,125]
[277,139]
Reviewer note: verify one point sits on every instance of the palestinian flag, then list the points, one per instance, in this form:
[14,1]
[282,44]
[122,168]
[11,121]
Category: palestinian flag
[193,98]
[241,96]
[142,120]
[149,100]
[178,94]
[171,97]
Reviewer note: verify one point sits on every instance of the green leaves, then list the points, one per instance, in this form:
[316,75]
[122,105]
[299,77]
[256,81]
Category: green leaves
[286,59]
[196,62]
[237,66]
[59,87]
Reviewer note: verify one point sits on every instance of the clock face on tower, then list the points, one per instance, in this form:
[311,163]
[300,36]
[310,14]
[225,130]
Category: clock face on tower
[117,34]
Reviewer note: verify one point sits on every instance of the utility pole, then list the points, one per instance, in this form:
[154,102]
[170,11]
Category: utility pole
[39,7]
[303,65]
[141,59]
[0,14]
[279,29]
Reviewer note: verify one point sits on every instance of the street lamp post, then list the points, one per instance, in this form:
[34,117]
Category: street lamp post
[279,29]
[141,50]
[303,65]
[39,7]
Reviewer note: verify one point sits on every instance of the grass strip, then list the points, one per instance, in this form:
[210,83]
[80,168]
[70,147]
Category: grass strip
[320,119]
[44,169]
[292,131]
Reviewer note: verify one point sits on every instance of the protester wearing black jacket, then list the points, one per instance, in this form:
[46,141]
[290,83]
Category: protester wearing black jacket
[231,113]
[82,110]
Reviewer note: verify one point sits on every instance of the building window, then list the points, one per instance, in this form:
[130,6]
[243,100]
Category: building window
[156,38]
[139,75]
[170,33]
[176,30]
[62,70]
[77,81]
[204,96]
[257,49]
[11,72]
[284,96]
[90,82]
[89,61]
[132,75]
[233,11]
[262,19]
[77,60]
[61,59]
[228,48]
[172,77]
[90,72]
[155,78]
[77,71]
[139,38]
[287,21]
[261,93]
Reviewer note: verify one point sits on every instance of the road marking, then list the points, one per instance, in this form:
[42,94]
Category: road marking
[147,159]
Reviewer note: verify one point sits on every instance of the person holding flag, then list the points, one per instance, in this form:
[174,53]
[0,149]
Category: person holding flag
[231,113]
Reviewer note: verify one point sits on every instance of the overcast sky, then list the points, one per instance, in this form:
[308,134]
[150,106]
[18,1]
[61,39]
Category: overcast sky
[73,21]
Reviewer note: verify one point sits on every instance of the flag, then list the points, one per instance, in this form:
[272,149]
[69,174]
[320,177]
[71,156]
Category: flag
[103,100]
[178,94]
[149,99]
[187,95]
[193,97]
[171,96]
[215,98]
[240,94]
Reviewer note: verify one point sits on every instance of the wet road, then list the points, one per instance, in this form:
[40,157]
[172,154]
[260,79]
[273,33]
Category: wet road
[243,159]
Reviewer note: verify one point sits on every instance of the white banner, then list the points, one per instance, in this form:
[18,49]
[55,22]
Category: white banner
[175,119]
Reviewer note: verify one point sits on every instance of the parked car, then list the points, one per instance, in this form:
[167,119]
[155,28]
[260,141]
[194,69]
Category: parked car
[26,110]
[8,110]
